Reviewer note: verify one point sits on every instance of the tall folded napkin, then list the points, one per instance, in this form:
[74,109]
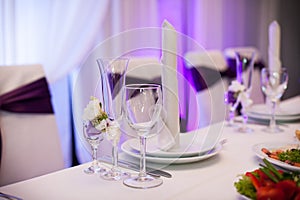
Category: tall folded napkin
[274,46]
[169,136]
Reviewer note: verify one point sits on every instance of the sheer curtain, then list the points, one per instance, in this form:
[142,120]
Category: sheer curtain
[60,34]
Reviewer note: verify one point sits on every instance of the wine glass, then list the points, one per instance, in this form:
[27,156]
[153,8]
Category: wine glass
[142,107]
[93,137]
[112,71]
[273,84]
[244,70]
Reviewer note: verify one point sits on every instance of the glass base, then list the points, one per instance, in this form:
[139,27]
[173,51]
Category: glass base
[115,175]
[245,130]
[143,182]
[94,169]
[275,129]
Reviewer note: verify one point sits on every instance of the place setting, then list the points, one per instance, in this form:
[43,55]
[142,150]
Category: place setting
[194,147]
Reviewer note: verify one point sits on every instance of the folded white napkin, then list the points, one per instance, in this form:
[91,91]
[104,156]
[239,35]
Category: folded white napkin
[169,135]
[274,46]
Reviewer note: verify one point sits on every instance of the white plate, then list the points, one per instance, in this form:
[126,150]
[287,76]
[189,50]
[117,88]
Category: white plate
[272,146]
[191,144]
[286,110]
[126,147]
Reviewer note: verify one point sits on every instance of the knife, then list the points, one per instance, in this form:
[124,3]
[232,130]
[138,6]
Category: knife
[136,167]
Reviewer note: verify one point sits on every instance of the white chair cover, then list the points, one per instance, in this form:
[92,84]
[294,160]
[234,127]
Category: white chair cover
[30,141]
[210,101]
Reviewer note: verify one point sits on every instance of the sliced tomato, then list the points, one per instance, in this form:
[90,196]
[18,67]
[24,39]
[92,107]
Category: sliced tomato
[289,188]
[269,193]
[254,180]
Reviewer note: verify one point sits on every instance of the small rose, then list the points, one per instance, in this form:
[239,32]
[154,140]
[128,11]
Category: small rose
[93,112]
[236,86]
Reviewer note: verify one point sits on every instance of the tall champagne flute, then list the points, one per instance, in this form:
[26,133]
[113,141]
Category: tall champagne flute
[273,84]
[244,70]
[93,137]
[142,106]
[112,71]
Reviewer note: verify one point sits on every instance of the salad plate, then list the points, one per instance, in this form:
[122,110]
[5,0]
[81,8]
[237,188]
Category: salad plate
[191,144]
[127,149]
[276,146]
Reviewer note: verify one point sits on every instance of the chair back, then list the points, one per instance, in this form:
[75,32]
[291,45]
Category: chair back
[30,143]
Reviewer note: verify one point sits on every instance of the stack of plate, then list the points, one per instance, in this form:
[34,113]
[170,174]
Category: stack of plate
[288,110]
[194,146]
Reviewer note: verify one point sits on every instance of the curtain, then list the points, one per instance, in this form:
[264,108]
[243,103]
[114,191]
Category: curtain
[61,34]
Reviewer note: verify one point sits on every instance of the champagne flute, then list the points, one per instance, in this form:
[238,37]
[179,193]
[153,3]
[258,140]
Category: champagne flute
[93,137]
[273,84]
[244,69]
[142,106]
[112,71]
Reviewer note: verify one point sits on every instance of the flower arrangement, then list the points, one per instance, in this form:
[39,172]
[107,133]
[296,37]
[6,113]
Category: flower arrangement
[237,94]
[93,112]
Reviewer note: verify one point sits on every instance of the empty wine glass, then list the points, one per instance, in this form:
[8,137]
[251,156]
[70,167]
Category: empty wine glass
[244,70]
[112,71]
[142,106]
[93,137]
[273,84]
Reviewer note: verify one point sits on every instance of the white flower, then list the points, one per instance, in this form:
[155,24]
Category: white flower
[241,95]
[244,99]
[92,110]
[236,86]
[94,113]
[101,126]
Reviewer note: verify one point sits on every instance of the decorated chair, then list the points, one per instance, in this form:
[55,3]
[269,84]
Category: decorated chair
[204,69]
[30,144]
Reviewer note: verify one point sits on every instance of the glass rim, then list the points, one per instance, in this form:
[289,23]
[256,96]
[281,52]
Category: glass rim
[112,58]
[282,69]
[142,86]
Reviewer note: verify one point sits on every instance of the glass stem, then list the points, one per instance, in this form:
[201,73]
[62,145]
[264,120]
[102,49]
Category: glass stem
[115,156]
[142,172]
[231,117]
[94,155]
[245,119]
[273,121]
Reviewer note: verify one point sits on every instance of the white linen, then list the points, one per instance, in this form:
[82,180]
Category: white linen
[189,181]
[274,46]
[169,137]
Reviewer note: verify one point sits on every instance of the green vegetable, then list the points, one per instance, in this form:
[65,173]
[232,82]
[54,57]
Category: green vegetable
[245,187]
[291,155]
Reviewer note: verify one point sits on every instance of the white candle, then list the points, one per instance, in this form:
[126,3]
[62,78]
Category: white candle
[274,46]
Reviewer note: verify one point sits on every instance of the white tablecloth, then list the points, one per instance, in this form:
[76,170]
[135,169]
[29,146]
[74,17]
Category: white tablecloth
[208,179]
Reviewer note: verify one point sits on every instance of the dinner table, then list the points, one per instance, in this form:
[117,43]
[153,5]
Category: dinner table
[211,178]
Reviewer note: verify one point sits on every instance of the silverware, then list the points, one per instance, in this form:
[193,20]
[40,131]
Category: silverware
[8,196]
[136,167]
